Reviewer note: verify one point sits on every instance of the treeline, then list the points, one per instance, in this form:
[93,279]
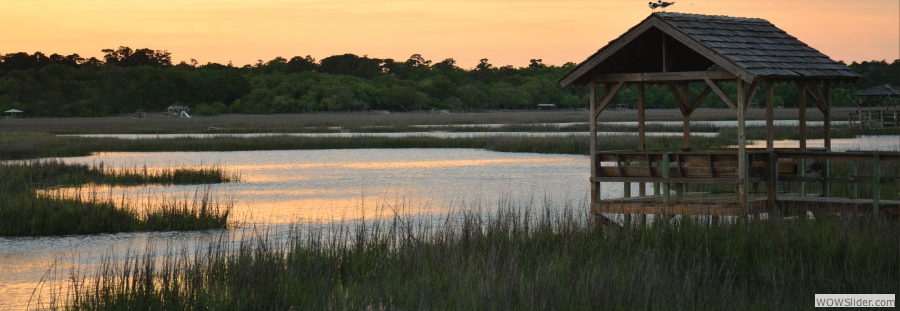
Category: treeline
[130,81]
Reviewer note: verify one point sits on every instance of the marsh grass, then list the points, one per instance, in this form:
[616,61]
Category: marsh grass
[516,259]
[301,123]
[43,215]
[45,145]
[27,210]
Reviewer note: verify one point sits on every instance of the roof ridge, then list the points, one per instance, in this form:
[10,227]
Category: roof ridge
[666,15]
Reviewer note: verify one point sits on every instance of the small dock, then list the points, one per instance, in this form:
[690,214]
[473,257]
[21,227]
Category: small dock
[781,181]
[874,118]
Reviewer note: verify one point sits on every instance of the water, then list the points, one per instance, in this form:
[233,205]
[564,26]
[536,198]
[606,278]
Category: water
[319,187]
[283,188]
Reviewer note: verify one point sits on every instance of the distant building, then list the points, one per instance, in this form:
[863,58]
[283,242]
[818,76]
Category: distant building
[179,111]
[13,113]
[546,106]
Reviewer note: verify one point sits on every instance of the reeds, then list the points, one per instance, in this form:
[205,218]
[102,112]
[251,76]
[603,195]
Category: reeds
[25,210]
[516,259]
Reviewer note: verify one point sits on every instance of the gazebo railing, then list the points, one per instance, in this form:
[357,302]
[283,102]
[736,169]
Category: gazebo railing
[707,181]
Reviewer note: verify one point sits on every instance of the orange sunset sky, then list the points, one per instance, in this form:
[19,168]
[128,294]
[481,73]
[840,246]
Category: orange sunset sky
[506,32]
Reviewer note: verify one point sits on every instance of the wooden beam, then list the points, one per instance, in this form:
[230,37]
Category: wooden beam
[801,105]
[721,93]
[595,187]
[826,114]
[665,54]
[751,90]
[711,209]
[665,77]
[770,117]
[699,99]
[816,94]
[682,97]
[674,180]
[742,144]
[642,140]
[675,89]
[609,92]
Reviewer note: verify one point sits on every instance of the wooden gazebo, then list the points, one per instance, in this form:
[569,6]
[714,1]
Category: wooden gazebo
[870,113]
[676,50]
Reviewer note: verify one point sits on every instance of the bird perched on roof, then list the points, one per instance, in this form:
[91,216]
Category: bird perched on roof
[663,5]
[652,5]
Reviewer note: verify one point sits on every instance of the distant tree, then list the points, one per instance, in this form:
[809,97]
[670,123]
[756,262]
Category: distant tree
[536,64]
[74,59]
[446,65]
[23,61]
[126,57]
[874,73]
[391,67]
[351,65]
[484,71]
[417,61]
[300,64]
[276,65]
[483,65]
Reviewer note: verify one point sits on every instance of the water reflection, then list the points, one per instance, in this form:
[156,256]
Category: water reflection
[280,189]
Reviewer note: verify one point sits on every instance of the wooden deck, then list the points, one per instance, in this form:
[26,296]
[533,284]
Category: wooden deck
[873,118]
[728,205]
[786,181]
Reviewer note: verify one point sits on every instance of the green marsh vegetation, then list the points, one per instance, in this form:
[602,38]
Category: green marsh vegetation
[37,138]
[28,205]
[520,258]
[516,259]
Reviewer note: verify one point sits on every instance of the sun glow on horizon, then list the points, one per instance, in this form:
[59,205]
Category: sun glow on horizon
[503,31]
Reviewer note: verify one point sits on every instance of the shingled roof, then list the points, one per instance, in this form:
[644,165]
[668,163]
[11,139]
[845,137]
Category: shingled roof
[749,48]
[880,90]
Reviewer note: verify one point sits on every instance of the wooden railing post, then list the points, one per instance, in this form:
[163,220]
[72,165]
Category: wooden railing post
[876,183]
[666,175]
[801,172]
[772,180]
[854,171]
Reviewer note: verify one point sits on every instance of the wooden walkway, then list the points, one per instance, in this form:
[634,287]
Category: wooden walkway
[700,203]
[786,181]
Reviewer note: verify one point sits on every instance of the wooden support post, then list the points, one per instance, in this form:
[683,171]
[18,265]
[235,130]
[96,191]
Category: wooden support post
[825,99]
[801,106]
[801,172]
[642,141]
[772,181]
[770,118]
[854,171]
[746,173]
[685,116]
[876,184]
[666,175]
[742,145]
[772,158]
[595,185]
